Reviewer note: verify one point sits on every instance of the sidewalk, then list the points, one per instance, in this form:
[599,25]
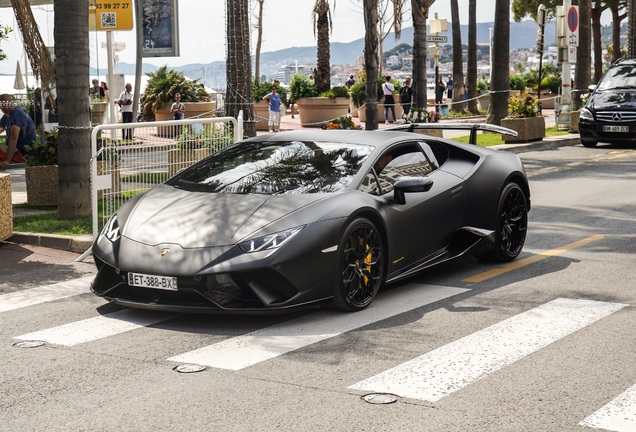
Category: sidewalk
[81,244]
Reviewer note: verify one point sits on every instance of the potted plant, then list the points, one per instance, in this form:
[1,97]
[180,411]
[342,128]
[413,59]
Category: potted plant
[344,122]
[421,115]
[261,108]
[523,117]
[161,87]
[483,95]
[41,172]
[318,109]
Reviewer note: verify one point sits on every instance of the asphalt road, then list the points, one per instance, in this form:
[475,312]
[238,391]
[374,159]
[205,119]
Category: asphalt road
[543,344]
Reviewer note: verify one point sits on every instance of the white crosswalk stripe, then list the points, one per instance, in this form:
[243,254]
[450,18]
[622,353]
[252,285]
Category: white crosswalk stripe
[619,415]
[449,368]
[98,327]
[249,349]
[44,294]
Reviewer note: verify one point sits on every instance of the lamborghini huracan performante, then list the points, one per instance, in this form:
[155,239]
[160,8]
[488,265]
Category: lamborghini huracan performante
[303,218]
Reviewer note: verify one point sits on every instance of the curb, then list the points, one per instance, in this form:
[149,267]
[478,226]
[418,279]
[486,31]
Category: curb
[83,243]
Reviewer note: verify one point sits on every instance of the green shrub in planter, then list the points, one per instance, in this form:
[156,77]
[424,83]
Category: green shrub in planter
[517,82]
[552,83]
[263,89]
[338,91]
[301,87]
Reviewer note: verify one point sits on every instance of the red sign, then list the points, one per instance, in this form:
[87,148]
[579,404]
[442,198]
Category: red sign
[573,19]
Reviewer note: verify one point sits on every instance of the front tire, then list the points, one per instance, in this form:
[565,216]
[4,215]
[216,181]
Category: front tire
[589,143]
[361,266]
[512,224]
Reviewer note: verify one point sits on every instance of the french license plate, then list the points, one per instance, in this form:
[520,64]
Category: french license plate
[615,128]
[152,281]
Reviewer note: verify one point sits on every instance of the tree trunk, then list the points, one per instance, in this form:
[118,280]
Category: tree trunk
[458,70]
[239,65]
[371,62]
[598,46]
[72,66]
[472,57]
[419,10]
[322,75]
[500,79]
[631,28]
[617,18]
[583,68]
[259,42]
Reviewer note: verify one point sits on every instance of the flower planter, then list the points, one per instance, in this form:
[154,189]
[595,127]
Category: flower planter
[317,111]
[6,209]
[399,112]
[192,109]
[179,159]
[528,129]
[41,185]
[484,101]
[97,112]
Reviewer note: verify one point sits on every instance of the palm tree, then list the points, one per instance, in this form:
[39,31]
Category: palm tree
[500,78]
[322,29]
[631,28]
[419,10]
[239,64]
[370,11]
[472,57]
[458,70]
[583,72]
[259,41]
[74,152]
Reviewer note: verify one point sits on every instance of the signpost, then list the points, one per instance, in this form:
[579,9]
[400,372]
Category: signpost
[567,41]
[437,26]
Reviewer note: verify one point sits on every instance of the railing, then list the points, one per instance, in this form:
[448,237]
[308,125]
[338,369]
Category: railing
[122,168]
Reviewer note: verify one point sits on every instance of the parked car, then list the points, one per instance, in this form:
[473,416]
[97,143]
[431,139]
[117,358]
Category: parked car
[609,115]
[310,217]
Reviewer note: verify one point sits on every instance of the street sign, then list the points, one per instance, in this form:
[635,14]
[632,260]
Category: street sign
[117,46]
[110,15]
[572,20]
[437,39]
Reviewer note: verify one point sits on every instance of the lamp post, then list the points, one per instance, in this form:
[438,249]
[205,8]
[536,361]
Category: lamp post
[437,26]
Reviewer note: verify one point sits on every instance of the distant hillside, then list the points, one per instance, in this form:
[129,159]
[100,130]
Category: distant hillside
[522,35]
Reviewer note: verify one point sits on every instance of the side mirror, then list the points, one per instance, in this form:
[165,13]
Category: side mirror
[591,87]
[409,185]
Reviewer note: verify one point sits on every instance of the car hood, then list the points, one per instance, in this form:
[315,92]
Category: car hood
[614,99]
[197,219]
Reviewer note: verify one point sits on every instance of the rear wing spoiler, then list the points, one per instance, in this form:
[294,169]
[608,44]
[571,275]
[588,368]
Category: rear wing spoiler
[472,127]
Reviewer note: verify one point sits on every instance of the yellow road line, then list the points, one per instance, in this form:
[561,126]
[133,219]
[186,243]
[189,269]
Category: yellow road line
[532,259]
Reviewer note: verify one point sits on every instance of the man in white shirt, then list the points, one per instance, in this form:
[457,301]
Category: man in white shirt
[125,102]
[389,101]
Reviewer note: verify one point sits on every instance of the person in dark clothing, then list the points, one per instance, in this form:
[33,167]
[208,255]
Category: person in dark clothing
[440,88]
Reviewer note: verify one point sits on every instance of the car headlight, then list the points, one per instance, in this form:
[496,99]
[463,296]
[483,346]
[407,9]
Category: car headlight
[271,241]
[111,229]
[586,114]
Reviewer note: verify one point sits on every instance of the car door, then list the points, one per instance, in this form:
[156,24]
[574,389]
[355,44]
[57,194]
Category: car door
[423,226]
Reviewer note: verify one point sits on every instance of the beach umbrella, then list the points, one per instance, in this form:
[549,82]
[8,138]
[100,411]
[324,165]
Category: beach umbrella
[18,84]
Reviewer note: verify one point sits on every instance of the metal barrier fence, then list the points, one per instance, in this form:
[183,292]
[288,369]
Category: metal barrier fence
[155,151]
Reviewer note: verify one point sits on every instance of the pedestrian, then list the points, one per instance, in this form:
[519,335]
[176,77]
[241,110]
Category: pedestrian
[20,131]
[388,89]
[104,86]
[406,96]
[449,87]
[177,108]
[35,110]
[125,102]
[96,92]
[351,81]
[273,99]
[440,88]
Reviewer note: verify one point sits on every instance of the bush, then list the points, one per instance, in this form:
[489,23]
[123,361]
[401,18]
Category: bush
[517,82]
[301,87]
[344,122]
[482,87]
[43,152]
[338,91]
[552,83]
[523,107]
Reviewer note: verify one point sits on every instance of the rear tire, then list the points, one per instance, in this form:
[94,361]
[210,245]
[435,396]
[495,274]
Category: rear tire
[589,143]
[512,224]
[361,266]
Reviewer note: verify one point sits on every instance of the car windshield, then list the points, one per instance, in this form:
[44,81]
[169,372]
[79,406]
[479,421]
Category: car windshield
[276,168]
[619,77]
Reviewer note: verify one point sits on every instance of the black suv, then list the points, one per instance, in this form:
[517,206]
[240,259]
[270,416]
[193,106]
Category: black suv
[610,112]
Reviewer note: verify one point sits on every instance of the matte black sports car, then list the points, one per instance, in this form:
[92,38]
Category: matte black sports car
[309,217]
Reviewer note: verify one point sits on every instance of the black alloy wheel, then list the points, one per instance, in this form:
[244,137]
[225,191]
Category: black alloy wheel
[362,267]
[512,224]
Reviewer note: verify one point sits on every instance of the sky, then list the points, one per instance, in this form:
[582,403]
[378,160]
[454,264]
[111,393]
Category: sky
[286,23]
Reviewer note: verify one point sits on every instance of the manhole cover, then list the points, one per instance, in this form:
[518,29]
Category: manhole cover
[28,344]
[380,398]
[189,368]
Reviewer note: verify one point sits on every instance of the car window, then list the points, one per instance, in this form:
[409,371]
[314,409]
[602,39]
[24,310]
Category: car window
[619,76]
[405,160]
[276,168]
